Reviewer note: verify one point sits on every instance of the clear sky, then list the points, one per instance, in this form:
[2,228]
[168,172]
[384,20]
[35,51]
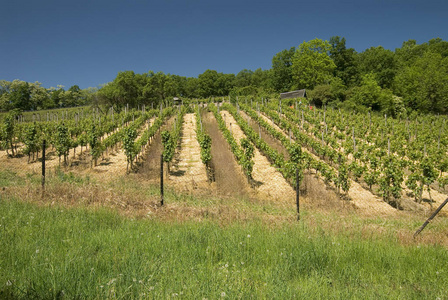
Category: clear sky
[87,42]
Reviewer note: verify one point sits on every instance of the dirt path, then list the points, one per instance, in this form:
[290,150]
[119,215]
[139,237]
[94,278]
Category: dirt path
[270,183]
[268,138]
[188,172]
[149,169]
[229,179]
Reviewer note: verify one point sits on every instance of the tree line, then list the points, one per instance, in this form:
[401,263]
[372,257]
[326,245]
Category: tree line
[411,78]
[25,96]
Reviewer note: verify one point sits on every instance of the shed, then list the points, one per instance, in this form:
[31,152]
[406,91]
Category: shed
[293,94]
[177,101]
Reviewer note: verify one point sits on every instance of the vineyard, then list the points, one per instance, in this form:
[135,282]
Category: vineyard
[201,199]
[251,147]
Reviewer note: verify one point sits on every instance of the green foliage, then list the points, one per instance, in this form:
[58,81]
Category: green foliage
[7,131]
[62,141]
[31,140]
[428,171]
[390,180]
[282,70]
[343,180]
[129,136]
[381,63]
[248,163]
[311,64]
[345,60]
[168,146]
[205,141]
[94,143]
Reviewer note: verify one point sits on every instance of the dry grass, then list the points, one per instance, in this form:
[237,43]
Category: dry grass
[135,198]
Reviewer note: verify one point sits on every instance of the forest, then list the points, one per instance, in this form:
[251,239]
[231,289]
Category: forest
[413,78]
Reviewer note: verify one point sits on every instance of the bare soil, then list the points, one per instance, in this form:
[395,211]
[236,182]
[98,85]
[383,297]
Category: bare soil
[269,182]
[149,168]
[188,172]
[266,136]
[229,179]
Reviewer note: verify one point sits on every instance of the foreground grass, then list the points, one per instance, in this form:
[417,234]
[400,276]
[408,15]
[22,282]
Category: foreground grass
[55,252]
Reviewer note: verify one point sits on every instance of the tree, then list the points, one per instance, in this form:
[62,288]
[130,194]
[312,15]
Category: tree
[243,78]
[20,95]
[381,63]
[281,73]
[324,94]
[311,64]
[424,84]
[212,83]
[345,61]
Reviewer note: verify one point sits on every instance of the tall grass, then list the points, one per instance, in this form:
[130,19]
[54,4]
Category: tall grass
[53,252]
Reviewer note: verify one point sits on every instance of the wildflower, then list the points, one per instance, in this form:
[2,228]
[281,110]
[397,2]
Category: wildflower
[223,294]
[37,250]
[248,235]
[8,283]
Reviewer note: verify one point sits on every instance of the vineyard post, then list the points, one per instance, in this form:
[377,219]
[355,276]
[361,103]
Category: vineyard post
[354,141]
[388,146]
[259,130]
[43,165]
[161,179]
[301,124]
[431,217]
[297,193]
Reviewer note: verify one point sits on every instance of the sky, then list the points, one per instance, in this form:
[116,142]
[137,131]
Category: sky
[87,42]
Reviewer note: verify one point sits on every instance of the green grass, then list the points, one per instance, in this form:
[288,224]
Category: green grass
[53,252]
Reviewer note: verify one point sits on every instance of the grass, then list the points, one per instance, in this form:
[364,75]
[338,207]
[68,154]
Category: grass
[61,251]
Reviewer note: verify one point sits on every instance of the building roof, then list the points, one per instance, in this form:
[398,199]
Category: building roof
[293,94]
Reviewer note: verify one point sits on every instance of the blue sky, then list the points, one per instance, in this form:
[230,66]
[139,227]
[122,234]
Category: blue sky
[87,42]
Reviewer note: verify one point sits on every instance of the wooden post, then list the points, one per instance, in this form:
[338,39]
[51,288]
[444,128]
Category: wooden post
[161,179]
[297,193]
[388,146]
[354,141]
[431,217]
[43,165]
